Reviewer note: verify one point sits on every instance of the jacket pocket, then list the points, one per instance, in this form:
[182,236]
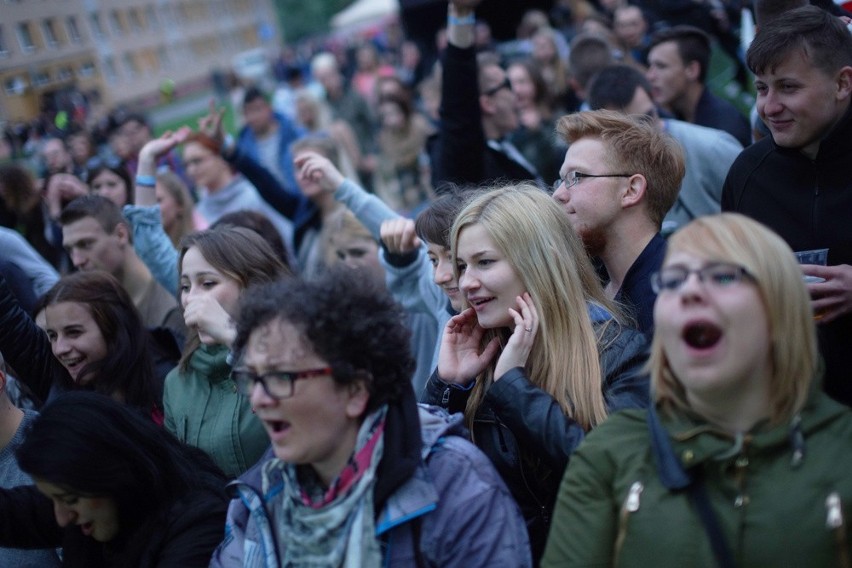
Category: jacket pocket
[630,506]
[836,523]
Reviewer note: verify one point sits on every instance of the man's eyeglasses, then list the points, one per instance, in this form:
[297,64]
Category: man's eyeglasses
[717,275]
[504,84]
[573,178]
[276,384]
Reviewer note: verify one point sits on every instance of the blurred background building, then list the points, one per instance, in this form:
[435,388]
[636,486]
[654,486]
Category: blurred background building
[121,52]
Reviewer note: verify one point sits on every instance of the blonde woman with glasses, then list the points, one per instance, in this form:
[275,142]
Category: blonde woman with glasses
[742,461]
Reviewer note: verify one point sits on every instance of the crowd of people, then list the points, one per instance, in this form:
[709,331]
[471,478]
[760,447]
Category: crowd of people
[365,330]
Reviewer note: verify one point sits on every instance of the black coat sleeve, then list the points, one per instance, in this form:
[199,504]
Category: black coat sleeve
[26,347]
[27,520]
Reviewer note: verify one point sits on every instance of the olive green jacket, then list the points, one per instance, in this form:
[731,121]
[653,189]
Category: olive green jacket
[204,410]
[781,494]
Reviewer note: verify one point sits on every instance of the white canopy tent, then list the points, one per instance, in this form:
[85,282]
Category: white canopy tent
[364,12]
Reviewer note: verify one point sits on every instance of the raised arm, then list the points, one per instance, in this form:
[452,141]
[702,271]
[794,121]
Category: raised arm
[26,347]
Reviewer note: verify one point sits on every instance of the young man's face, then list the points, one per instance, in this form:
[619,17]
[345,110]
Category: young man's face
[800,103]
[443,273]
[92,248]
[668,74]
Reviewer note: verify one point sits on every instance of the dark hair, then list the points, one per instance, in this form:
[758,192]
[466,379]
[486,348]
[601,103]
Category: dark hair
[237,252]
[17,186]
[252,94]
[260,224]
[813,32]
[767,10]
[403,103]
[321,143]
[115,167]
[433,223]
[615,85]
[105,212]
[94,446]
[589,53]
[542,93]
[133,117]
[348,320]
[692,45]
[127,370]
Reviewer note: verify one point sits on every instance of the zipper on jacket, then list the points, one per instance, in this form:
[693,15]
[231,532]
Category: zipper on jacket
[445,396]
[834,522]
[630,506]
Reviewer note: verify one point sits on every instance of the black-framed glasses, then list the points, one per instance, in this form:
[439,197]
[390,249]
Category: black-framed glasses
[504,84]
[717,275]
[573,178]
[276,384]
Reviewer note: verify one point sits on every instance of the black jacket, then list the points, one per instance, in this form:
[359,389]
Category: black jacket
[809,203]
[527,435]
[182,535]
[462,154]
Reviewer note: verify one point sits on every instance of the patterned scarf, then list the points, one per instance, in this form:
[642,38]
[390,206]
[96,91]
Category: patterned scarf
[333,527]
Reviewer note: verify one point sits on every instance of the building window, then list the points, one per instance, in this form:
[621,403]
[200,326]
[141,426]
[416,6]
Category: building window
[14,86]
[73,29]
[163,57]
[49,29]
[4,47]
[115,23]
[25,37]
[130,65]
[151,17]
[109,69]
[41,78]
[64,74]
[95,23]
[135,20]
[87,69]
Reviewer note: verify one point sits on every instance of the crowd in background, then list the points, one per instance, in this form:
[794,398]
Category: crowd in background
[372,310]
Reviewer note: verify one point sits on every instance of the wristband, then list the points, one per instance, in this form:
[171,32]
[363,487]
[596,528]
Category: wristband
[468,20]
[146,181]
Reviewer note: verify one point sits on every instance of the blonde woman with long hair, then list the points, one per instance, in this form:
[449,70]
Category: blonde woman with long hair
[539,356]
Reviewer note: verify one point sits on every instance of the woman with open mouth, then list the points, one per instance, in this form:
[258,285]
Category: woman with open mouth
[358,474]
[112,489]
[91,338]
[540,355]
[742,460]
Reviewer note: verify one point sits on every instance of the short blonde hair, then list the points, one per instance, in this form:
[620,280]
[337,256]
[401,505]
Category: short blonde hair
[731,237]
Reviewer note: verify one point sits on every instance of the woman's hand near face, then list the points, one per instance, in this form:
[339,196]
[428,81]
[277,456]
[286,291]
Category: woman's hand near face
[318,169]
[520,343]
[207,317]
[460,360]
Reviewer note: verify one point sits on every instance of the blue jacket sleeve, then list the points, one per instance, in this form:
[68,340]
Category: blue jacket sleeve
[367,208]
[153,245]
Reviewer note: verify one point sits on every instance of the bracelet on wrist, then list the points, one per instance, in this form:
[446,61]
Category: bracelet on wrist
[468,20]
[146,181]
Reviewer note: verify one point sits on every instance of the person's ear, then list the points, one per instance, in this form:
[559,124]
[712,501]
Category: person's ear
[486,105]
[635,192]
[122,232]
[844,83]
[358,397]
[693,70]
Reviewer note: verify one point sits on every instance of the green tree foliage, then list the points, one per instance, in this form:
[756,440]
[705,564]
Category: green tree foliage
[302,18]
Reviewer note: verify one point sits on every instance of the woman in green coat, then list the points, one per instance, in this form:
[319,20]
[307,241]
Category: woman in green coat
[202,405]
[742,461]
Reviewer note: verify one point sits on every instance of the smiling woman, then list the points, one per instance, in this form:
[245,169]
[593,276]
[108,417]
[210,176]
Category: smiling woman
[92,338]
[539,357]
[741,438]
[112,489]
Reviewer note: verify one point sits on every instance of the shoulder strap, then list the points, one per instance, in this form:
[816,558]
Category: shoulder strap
[675,478]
